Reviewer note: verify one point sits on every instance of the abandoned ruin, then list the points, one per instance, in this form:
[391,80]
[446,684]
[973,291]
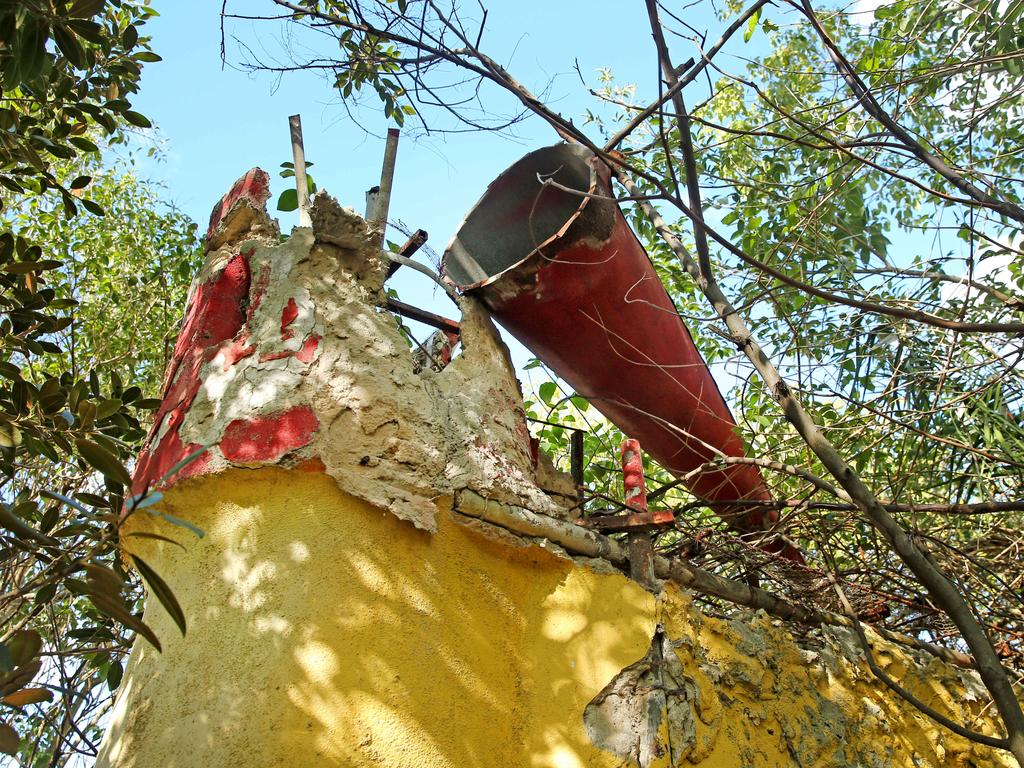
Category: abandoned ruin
[392,575]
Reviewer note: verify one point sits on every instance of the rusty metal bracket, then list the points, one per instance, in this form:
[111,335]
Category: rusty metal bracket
[416,241]
[421,315]
[637,521]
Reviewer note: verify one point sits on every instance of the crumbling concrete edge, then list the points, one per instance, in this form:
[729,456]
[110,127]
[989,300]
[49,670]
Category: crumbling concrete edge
[286,358]
[580,541]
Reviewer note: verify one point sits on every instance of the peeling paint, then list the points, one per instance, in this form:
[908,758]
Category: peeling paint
[644,714]
[308,349]
[241,210]
[265,439]
[277,327]
[215,316]
[288,316]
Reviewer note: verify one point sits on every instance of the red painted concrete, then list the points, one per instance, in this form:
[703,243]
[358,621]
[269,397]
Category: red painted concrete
[216,315]
[305,354]
[253,189]
[268,438]
[259,290]
[288,315]
[170,452]
[268,356]
[308,350]
[235,350]
[217,328]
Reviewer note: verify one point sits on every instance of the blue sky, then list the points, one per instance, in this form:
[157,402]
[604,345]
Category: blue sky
[218,121]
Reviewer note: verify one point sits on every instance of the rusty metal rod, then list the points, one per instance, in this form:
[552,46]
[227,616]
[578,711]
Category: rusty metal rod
[423,316]
[637,521]
[413,244]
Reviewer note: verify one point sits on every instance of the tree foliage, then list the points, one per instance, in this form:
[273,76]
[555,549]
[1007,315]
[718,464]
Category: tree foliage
[92,275]
[124,276]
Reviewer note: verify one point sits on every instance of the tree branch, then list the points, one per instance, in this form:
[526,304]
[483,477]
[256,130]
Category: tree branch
[941,589]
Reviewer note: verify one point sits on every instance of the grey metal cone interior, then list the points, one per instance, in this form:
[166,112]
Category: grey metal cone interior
[493,238]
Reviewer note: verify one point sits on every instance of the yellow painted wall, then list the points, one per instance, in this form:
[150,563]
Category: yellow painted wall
[326,632]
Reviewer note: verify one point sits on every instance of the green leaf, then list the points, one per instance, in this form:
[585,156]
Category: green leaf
[83,9]
[136,119]
[130,38]
[10,436]
[103,580]
[30,51]
[48,494]
[70,47]
[162,591]
[24,646]
[93,500]
[156,537]
[90,30]
[199,532]
[288,201]
[16,525]
[151,498]
[751,26]
[117,610]
[114,674]
[547,391]
[108,407]
[93,207]
[83,144]
[86,413]
[99,458]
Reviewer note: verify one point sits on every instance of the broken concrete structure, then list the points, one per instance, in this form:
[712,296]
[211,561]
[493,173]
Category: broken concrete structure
[351,605]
